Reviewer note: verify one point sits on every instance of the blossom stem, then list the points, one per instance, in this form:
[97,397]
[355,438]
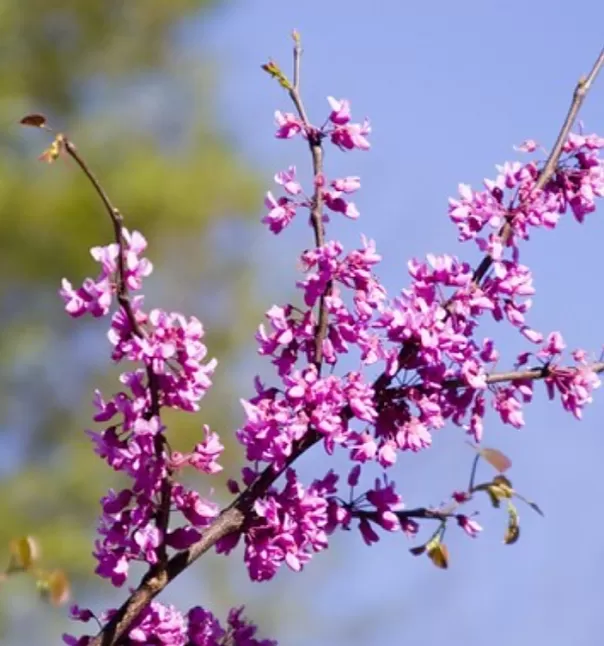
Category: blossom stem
[316,213]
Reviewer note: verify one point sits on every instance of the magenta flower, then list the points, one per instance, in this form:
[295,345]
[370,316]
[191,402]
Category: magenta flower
[288,125]
[287,179]
[352,136]
[340,111]
[469,526]
[347,184]
[335,202]
[281,212]
[290,526]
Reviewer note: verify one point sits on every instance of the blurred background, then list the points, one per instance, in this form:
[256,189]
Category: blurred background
[167,102]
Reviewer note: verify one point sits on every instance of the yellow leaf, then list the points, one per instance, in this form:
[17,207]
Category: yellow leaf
[493,496]
[502,480]
[438,554]
[24,552]
[54,587]
[52,153]
[513,530]
[501,487]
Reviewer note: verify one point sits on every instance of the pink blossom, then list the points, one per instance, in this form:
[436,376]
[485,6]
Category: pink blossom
[346,184]
[470,527]
[281,212]
[554,345]
[335,202]
[287,179]
[340,113]
[527,146]
[351,136]
[288,125]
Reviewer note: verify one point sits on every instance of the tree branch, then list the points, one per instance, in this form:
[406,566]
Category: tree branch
[531,374]
[233,518]
[580,92]
[419,513]
[162,515]
[314,138]
[581,89]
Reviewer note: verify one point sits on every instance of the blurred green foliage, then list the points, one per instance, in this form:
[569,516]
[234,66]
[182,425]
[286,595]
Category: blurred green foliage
[113,76]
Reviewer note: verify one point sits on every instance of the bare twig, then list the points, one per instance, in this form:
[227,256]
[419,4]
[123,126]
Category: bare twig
[473,471]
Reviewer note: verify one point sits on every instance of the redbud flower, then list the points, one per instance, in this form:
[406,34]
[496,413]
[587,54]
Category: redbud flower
[470,527]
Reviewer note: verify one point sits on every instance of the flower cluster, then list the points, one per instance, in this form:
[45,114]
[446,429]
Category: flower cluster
[433,368]
[343,134]
[174,373]
[95,297]
[171,349]
[159,625]
[428,334]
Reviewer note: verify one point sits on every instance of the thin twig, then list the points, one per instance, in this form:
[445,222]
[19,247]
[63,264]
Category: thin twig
[418,513]
[473,472]
[314,139]
[531,374]
[117,222]
[123,295]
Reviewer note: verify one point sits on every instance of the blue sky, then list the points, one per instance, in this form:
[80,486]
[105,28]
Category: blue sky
[449,88]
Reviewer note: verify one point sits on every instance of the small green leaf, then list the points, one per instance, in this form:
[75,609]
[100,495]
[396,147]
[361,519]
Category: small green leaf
[275,71]
[438,554]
